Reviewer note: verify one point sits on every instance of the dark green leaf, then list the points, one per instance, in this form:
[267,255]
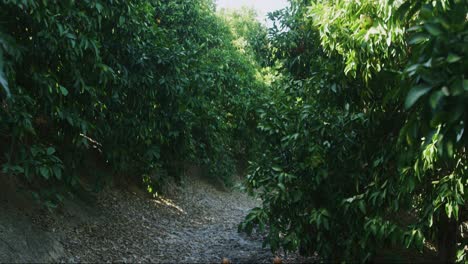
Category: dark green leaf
[415,93]
[433,29]
[57,172]
[418,38]
[44,172]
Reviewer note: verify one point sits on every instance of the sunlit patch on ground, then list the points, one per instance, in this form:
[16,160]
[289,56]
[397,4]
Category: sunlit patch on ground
[168,203]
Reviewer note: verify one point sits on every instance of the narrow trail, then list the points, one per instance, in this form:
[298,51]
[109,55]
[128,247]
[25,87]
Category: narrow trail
[197,224]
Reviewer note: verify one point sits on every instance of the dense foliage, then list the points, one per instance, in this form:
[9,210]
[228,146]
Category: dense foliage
[352,113]
[140,87]
[364,131]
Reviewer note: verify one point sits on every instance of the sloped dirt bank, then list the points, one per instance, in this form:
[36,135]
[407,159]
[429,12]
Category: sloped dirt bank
[195,224]
[22,237]
[21,241]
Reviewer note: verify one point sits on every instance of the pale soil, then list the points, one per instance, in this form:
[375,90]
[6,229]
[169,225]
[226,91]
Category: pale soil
[196,223]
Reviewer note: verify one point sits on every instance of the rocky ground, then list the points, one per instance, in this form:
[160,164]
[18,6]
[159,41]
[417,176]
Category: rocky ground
[196,223]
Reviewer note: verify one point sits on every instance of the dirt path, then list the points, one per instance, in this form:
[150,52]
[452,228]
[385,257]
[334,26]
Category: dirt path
[195,225]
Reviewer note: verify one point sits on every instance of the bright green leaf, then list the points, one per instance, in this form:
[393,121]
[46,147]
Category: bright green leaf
[451,58]
[64,91]
[50,151]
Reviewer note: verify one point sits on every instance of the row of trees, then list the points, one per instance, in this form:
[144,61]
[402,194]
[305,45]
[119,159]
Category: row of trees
[364,142]
[141,87]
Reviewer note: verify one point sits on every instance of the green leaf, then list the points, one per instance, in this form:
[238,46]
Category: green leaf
[402,11]
[276,168]
[451,58]
[99,7]
[426,11]
[57,172]
[63,90]
[121,20]
[461,253]
[435,30]
[3,81]
[419,241]
[455,211]
[282,187]
[448,210]
[373,228]
[325,223]
[35,150]
[50,151]
[415,93]
[456,88]
[362,206]
[418,38]
[435,98]
[44,172]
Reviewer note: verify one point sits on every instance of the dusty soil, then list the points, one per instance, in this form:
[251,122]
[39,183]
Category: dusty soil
[196,223]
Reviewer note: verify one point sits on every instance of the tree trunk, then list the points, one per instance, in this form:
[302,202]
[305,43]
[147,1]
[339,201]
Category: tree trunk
[447,238]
